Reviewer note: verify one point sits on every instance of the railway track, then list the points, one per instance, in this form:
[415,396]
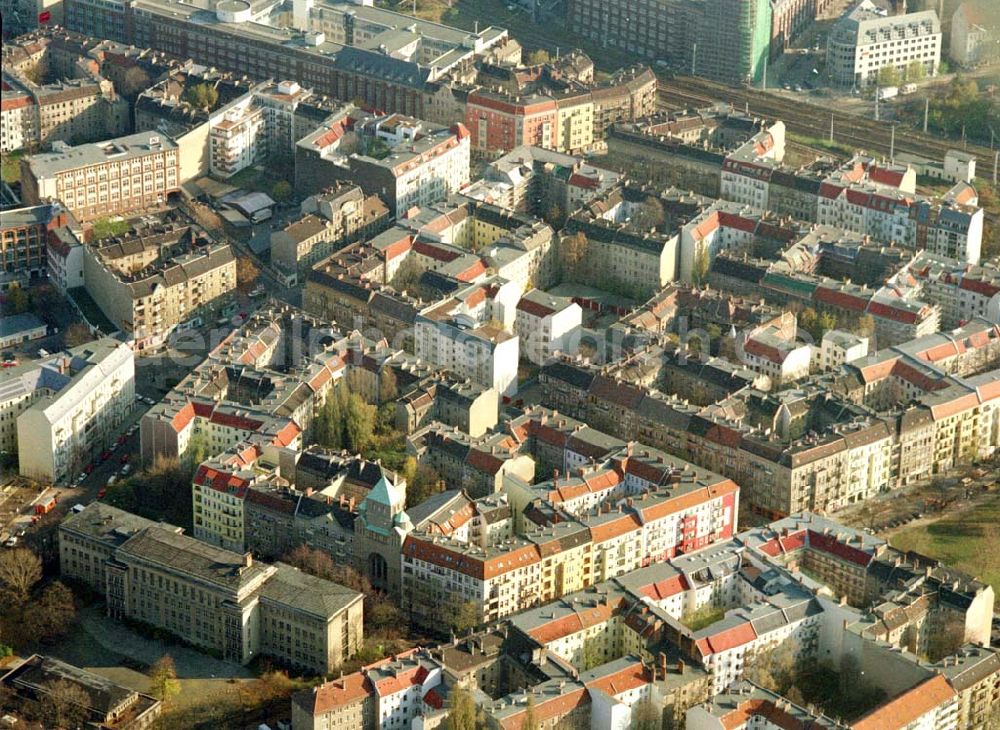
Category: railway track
[810,120]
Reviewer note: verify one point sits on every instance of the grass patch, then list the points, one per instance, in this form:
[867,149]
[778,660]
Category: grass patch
[968,540]
[820,143]
[11,167]
[702,617]
[109,228]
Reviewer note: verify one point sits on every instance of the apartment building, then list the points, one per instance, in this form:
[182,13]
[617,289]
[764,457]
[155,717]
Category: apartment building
[974,26]
[547,324]
[783,360]
[18,122]
[60,413]
[867,39]
[213,598]
[839,348]
[330,220]
[70,110]
[119,177]
[459,336]
[963,292]
[153,279]
[24,238]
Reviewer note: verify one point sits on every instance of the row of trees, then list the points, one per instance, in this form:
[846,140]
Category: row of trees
[30,608]
[892,76]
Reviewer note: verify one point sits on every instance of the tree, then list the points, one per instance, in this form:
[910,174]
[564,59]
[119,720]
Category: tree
[282,191]
[916,71]
[20,570]
[202,96]
[163,678]
[464,614]
[359,424]
[774,668]
[946,636]
[888,76]
[592,656]
[865,326]
[426,483]
[463,714]
[52,612]
[77,334]
[574,250]
[649,214]
[134,81]
[554,216]
[530,721]
[17,300]
[311,561]
[246,272]
[388,390]
[538,56]
[647,716]
[64,705]
[702,265]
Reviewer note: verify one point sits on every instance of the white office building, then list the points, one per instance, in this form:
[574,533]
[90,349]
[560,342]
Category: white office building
[867,39]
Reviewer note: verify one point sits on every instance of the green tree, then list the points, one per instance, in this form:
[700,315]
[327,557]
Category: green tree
[464,615]
[592,656]
[388,390]
[202,96]
[359,423]
[916,71]
[702,265]
[573,250]
[463,714]
[426,482]
[163,678]
[538,56]
[282,191]
[888,76]
[17,300]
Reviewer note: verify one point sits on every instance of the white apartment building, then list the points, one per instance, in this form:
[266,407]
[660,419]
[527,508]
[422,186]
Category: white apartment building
[781,359]
[71,407]
[120,176]
[459,337]
[867,39]
[18,119]
[235,140]
[546,325]
[837,348]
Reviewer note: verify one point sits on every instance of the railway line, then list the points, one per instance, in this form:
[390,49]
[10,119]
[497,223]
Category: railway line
[810,120]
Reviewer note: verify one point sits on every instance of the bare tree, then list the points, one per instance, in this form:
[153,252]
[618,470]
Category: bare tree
[20,569]
[65,705]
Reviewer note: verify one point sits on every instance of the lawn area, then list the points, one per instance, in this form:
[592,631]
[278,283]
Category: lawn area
[109,228]
[704,616]
[968,540]
[12,167]
[822,144]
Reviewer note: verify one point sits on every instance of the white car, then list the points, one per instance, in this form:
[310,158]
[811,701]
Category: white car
[11,542]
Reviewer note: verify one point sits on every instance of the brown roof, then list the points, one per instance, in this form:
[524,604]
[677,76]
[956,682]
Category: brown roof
[907,707]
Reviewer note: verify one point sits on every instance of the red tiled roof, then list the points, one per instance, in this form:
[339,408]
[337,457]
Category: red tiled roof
[340,692]
[631,677]
[907,707]
[574,622]
[730,638]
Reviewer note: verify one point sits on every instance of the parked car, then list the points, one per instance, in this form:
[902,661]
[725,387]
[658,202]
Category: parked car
[11,542]
[101,493]
[123,459]
[126,470]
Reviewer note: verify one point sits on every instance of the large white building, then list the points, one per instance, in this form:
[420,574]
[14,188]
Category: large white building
[867,39]
[547,324]
[68,408]
[463,336]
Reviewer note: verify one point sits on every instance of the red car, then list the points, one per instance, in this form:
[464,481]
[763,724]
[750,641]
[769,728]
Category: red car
[100,494]
[105,456]
[123,459]
[89,469]
[121,440]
